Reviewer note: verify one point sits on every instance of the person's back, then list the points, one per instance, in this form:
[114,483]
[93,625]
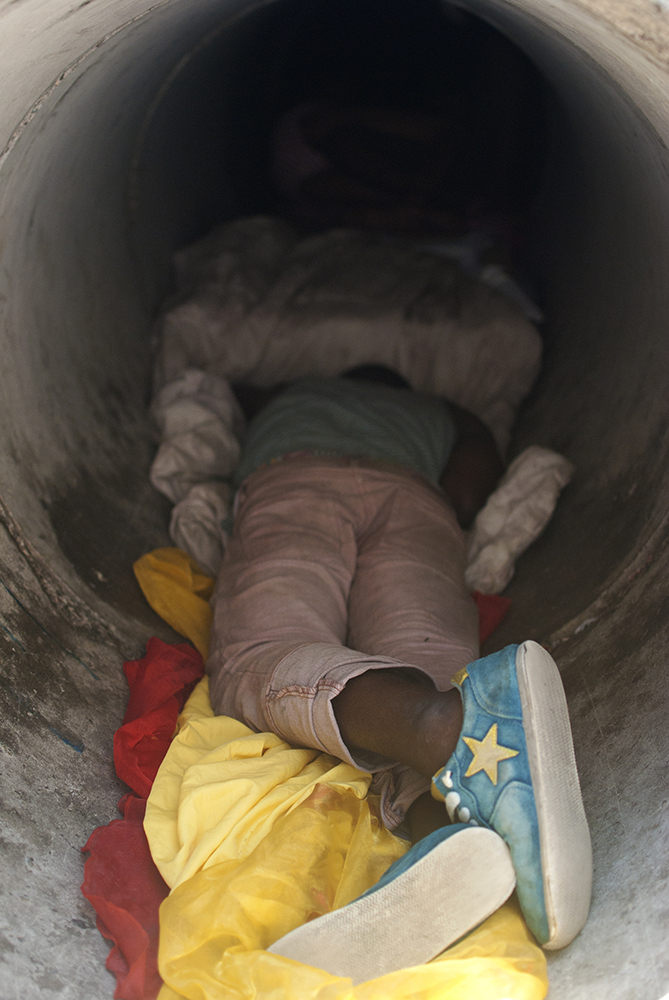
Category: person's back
[352,416]
[370,412]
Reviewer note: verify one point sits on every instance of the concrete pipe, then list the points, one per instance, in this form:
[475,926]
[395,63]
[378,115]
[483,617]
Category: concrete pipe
[111,157]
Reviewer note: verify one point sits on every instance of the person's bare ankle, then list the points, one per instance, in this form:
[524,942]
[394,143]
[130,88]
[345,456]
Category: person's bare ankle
[441,724]
[398,717]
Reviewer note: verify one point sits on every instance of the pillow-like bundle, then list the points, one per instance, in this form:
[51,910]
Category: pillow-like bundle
[262,305]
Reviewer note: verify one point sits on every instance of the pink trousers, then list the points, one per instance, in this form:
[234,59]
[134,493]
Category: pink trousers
[337,566]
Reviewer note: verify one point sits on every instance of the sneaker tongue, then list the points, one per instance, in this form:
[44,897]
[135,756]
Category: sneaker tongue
[459,679]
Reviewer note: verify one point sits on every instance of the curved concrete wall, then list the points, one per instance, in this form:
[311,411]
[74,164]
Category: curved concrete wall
[103,122]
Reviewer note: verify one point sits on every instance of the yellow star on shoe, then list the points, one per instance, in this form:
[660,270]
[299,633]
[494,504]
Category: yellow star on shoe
[487,754]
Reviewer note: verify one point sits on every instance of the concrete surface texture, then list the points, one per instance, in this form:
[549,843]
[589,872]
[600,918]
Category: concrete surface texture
[110,157]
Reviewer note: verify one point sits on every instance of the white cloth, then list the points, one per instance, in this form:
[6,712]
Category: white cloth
[200,424]
[201,522]
[514,515]
[259,304]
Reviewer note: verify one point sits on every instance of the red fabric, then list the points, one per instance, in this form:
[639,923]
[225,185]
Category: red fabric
[159,685]
[493,609]
[120,879]
[125,889]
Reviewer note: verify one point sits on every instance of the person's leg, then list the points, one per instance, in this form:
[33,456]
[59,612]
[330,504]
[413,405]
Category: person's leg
[386,712]
[503,737]
[277,653]
[276,671]
[283,585]
[409,600]
[455,875]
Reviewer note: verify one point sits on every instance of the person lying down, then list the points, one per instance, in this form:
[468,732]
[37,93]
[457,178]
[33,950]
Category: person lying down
[342,622]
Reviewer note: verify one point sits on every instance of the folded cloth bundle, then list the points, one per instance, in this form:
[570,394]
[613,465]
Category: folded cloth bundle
[515,514]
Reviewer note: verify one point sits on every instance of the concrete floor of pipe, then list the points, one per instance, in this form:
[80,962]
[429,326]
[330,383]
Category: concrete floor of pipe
[105,168]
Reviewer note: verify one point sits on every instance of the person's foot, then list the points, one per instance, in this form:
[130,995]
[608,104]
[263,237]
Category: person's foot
[513,771]
[443,887]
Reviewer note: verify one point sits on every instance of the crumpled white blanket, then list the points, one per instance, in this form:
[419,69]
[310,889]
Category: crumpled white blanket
[259,304]
[201,421]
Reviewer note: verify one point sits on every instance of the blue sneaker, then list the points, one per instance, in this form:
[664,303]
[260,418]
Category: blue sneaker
[448,883]
[513,771]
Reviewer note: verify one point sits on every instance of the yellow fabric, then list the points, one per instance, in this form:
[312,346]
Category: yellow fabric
[222,789]
[179,591]
[255,836]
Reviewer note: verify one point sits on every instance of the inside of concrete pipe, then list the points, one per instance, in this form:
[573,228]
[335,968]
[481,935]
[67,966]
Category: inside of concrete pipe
[89,357]
[142,142]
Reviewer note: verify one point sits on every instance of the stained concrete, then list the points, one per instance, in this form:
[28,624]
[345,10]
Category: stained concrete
[105,106]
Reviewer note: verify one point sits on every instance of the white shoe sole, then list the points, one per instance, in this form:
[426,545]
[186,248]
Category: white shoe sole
[415,917]
[566,851]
